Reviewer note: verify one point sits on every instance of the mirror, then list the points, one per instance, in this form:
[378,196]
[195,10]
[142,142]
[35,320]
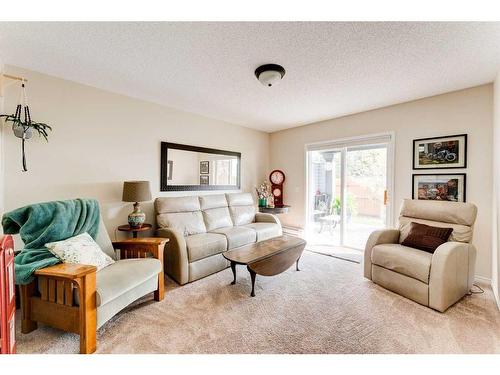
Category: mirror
[185,168]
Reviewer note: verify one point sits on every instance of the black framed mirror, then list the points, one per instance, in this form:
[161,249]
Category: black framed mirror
[191,168]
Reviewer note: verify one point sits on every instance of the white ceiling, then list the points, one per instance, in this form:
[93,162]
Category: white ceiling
[332,68]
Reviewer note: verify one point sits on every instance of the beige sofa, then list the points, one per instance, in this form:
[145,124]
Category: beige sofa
[436,280]
[200,228]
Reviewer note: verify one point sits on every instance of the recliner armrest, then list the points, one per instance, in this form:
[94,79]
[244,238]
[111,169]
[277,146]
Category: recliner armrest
[452,274]
[376,238]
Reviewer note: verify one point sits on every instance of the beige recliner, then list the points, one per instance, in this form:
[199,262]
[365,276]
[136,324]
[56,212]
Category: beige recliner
[201,228]
[436,280]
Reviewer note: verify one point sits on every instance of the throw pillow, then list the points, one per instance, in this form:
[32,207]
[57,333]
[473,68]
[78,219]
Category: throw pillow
[81,249]
[425,237]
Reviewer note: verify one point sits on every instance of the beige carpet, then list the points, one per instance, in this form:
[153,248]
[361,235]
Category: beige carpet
[340,252]
[326,308]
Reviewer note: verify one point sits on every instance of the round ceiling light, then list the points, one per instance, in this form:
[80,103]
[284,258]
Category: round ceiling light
[269,74]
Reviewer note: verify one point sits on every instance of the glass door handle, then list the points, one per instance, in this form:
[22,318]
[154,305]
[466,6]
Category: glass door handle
[386,198]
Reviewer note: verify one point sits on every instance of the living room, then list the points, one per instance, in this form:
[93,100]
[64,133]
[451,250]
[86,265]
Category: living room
[278,202]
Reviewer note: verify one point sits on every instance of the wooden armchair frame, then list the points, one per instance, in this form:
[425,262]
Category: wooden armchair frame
[54,304]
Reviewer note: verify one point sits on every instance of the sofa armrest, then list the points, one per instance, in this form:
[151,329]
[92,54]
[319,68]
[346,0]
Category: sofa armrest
[452,274]
[376,238]
[266,218]
[176,259]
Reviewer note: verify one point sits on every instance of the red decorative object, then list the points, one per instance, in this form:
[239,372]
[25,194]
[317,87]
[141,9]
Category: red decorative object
[277,179]
[7,297]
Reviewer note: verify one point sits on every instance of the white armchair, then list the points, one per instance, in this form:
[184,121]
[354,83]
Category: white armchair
[436,280]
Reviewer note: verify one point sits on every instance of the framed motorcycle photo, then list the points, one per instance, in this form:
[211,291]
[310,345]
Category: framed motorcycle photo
[439,187]
[440,152]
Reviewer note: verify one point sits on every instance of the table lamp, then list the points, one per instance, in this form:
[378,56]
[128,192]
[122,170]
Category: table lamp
[136,191]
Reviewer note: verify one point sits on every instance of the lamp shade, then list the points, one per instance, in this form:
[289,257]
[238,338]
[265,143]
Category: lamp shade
[136,191]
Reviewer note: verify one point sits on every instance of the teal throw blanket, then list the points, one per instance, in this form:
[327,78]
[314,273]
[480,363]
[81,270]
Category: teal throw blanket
[46,222]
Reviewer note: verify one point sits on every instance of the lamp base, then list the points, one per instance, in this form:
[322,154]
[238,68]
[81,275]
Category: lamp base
[136,218]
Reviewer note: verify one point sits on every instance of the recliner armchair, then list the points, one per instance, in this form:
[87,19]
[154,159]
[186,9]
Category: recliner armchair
[435,280]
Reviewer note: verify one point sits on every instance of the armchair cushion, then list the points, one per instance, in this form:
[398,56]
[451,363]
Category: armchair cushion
[203,245]
[404,260]
[123,276]
[104,242]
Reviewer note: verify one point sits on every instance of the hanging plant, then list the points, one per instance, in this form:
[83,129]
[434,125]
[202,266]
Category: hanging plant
[23,126]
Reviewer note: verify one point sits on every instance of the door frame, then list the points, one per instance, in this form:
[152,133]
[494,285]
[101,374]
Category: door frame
[389,173]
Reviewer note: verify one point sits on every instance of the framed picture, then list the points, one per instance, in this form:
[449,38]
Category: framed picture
[204,167]
[170,169]
[440,152]
[204,180]
[439,187]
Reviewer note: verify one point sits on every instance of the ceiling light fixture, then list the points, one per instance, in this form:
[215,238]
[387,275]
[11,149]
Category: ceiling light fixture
[269,74]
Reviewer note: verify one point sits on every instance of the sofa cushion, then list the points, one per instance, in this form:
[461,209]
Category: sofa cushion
[217,218]
[123,276]
[212,201]
[237,236]
[404,260]
[241,215]
[177,204]
[203,245]
[265,230]
[241,207]
[239,199]
[187,223]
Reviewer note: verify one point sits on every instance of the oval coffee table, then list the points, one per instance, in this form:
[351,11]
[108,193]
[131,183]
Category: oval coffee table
[267,258]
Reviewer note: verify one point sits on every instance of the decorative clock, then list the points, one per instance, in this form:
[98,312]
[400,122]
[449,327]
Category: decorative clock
[277,178]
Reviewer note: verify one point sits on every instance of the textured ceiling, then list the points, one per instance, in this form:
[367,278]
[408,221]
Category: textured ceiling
[333,68]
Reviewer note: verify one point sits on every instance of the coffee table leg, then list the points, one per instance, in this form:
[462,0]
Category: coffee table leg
[297,265]
[252,276]
[233,268]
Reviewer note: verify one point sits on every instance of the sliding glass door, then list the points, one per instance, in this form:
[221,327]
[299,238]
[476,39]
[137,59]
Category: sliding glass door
[365,192]
[347,195]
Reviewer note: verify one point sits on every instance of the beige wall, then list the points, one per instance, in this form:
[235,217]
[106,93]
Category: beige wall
[101,139]
[495,253]
[467,111]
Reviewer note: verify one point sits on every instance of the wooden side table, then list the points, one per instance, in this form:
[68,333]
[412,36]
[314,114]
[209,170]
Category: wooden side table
[128,228]
[275,210]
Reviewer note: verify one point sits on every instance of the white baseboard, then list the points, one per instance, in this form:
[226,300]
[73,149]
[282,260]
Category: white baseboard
[496,296]
[293,231]
[482,279]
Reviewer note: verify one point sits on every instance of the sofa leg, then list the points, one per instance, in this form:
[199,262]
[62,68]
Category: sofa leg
[27,291]
[88,314]
[160,292]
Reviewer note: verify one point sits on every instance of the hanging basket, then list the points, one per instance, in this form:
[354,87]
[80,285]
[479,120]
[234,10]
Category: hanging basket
[23,126]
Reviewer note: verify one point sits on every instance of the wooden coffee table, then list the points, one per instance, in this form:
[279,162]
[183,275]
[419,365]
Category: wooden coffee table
[267,258]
